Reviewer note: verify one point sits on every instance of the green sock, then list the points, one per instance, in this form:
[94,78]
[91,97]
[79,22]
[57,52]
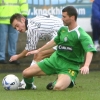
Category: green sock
[28,82]
[54,83]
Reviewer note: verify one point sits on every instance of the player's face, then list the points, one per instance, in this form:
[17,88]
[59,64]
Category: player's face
[66,19]
[19,25]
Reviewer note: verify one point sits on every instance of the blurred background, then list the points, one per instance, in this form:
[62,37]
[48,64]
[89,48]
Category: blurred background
[54,7]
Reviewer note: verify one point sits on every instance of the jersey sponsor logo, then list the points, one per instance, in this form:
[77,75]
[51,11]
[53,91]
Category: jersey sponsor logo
[61,47]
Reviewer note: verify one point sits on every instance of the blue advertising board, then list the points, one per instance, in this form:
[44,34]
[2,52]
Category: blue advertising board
[54,7]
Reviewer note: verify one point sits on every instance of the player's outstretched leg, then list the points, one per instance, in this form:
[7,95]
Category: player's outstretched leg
[23,86]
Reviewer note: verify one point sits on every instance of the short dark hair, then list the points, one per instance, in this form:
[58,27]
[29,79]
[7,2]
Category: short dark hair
[15,16]
[71,11]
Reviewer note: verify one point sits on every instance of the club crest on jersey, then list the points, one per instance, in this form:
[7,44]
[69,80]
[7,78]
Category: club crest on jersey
[65,39]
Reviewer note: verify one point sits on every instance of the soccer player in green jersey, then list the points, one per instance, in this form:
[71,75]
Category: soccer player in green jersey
[74,47]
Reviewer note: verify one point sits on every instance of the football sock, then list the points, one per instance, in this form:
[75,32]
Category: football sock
[28,82]
[33,62]
[53,84]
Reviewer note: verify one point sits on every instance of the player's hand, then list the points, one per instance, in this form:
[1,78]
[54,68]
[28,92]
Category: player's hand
[13,58]
[84,70]
[32,52]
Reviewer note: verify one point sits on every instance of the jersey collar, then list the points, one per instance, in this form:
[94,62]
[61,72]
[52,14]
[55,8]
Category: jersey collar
[74,28]
[26,23]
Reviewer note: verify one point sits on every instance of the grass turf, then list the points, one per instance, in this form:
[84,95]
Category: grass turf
[87,88]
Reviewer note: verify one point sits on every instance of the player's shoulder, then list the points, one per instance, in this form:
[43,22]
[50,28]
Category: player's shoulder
[81,30]
[82,33]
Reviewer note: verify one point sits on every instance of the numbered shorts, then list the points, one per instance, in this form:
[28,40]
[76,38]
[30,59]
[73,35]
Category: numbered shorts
[58,65]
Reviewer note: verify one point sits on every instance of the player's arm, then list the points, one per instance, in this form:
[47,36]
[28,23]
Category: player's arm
[18,56]
[85,68]
[22,54]
[32,40]
[48,45]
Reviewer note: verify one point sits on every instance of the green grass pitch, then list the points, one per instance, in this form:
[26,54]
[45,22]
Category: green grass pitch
[87,88]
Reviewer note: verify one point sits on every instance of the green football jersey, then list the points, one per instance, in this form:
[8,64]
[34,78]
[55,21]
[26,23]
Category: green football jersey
[72,45]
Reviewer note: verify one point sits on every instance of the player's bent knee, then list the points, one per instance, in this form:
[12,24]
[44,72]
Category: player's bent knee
[26,73]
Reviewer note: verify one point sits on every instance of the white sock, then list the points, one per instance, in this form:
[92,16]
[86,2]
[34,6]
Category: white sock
[33,62]
[22,82]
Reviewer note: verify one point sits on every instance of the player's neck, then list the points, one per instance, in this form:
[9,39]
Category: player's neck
[72,26]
